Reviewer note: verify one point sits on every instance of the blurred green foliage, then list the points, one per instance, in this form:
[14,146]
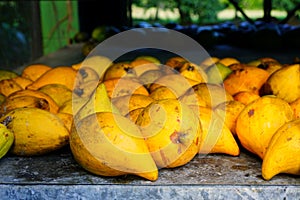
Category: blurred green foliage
[205,11]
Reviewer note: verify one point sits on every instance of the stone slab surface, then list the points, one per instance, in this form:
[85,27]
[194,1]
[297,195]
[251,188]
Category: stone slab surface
[216,176]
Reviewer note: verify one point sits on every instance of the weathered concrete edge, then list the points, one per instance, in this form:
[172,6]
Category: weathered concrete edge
[148,192]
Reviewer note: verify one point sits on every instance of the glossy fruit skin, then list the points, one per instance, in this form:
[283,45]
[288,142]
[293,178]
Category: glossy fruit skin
[172,132]
[6,140]
[283,153]
[33,137]
[259,120]
[109,144]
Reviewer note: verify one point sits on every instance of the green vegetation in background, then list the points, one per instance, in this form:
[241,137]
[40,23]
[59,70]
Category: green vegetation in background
[203,11]
[59,21]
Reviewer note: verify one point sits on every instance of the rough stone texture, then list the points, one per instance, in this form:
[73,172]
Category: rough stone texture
[58,176]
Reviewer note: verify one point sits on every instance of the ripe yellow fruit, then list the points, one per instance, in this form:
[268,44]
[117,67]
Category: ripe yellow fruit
[58,75]
[36,131]
[285,83]
[172,132]
[283,153]
[209,61]
[141,66]
[23,101]
[127,103]
[259,120]
[227,61]
[109,144]
[53,107]
[206,94]
[22,81]
[98,102]
[67,119]
[176,62]
[216,137]
[193,72]
[119,70]
[245,97]
[177,83]
[229,111]
[34,71]
[97,63]
[163,92]
[245,79]
[124,86]
[58,92]
[8,86]
[295,105]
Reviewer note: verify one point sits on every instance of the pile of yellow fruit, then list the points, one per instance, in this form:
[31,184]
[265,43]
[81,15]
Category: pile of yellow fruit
[139,116]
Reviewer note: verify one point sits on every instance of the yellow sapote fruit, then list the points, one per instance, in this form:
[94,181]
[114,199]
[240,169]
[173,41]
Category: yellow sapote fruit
[284,83]
[85,89]
[270,67]
[98,63]
[141,66]
[86,74]
[77,65]
[134,114]
[59,75]
[283,153]
[58,92]
[152,59]
[209,61]
[124,86]
[163,92]
[109,144]
[127,103]
[9,86]
[34,71]
[227,61]
[53,107]
[150,76]
[67,119]
[177,83]
[216,137]
[119,70]
[245,79]
[172,132]
[176,62]
[259,120]
[194,72]
[22,81]
[229,111]
[295,105]
[98,102]
[23,101]
[207,95]
[36,131]
[245,97]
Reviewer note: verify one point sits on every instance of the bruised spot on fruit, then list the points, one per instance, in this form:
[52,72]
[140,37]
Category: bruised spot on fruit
[289,139]
[191,68]
[178,137]
[78,91]
[263,66]
[251,112]
[129,70]
[83,73]
[43,104]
